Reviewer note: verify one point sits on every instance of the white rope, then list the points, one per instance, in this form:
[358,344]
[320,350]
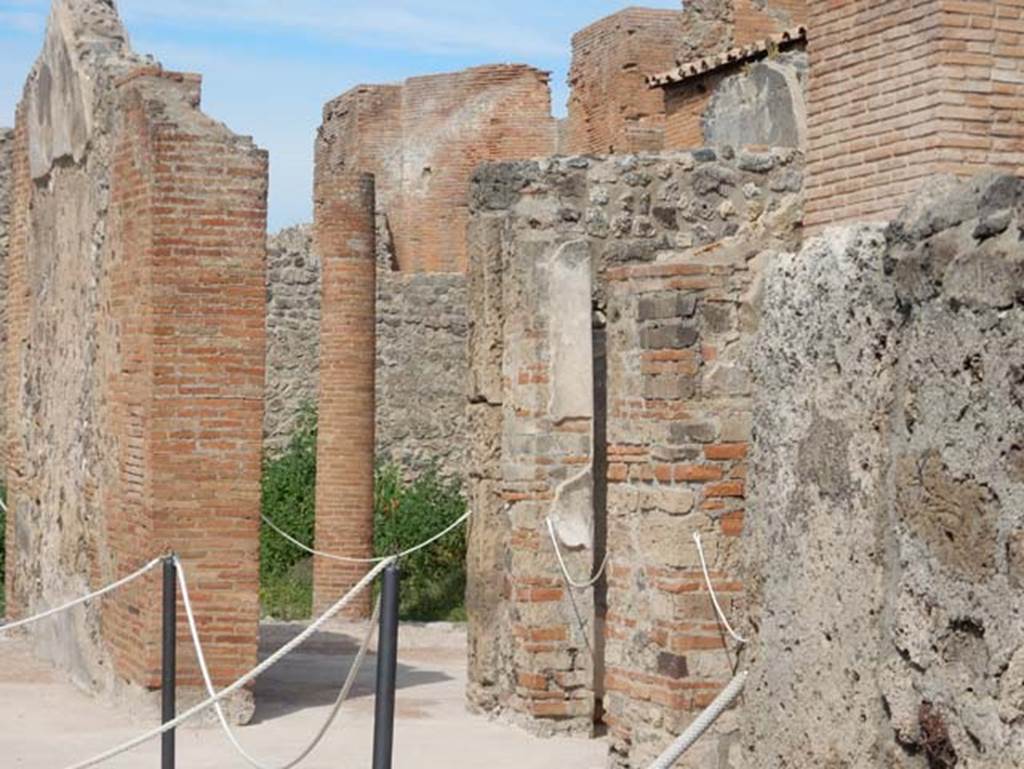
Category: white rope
[84,599]
[701,724]
[256,671]
[208,681]
[347,559]
[711,590]
[565,570]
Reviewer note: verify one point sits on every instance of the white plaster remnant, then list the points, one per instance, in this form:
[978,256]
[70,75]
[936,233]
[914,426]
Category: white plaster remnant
[572,382]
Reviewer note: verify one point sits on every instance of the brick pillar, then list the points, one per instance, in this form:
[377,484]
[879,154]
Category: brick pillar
[187,297]
[344,237]
[901,91]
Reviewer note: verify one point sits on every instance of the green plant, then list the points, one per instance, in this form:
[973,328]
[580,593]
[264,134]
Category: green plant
[407,513]
[289,500]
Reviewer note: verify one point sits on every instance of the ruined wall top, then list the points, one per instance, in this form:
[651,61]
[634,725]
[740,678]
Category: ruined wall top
[611,110]
[422,139]
[712,26]
[85,46]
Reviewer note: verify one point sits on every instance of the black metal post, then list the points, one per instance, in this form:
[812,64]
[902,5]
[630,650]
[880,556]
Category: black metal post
[170,661]
[387,671]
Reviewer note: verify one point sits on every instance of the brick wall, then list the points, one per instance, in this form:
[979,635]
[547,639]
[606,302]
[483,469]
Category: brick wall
[135,357]
[610,107]
[423,138]
[344,233]
[900,92]
[675,245]
[189,217]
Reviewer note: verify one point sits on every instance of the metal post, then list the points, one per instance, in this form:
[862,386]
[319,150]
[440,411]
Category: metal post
[387,670]
[170,662]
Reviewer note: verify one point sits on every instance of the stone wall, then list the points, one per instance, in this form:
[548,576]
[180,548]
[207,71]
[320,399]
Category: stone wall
[423,138]
[885,562]
[293,333]
[134,357]
[6,182]
[421,355]
[758,102]
[668,248]
[610,108]
[952,75]
[422,370]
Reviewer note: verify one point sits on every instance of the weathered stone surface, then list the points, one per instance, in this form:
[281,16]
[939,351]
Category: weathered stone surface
[762,105]
[422,370]
[134,358]
[293,333]
[421,354]
[884,558]
[663,319]
[6,194]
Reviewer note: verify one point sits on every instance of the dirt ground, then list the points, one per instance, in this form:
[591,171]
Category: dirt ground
[46,723]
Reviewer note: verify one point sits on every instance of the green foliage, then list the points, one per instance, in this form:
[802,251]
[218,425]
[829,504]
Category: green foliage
[289,500]
[407,513]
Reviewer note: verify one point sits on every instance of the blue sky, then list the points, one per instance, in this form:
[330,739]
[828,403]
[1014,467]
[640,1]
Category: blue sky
[269,65]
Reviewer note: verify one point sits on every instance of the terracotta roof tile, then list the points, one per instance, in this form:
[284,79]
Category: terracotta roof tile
[743,53]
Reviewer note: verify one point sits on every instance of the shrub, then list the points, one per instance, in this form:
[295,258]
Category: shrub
[289,500]
[407,513]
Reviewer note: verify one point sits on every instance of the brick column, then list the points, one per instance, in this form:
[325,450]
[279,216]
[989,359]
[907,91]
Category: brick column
[345,239]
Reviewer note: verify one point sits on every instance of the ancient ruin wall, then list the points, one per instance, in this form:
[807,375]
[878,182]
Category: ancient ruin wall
[421,355]
[886,557]
[135,354]
[950,103]
[422,370]
[611,110]
[422,140]
[6,182]
[293,333]
[668,249]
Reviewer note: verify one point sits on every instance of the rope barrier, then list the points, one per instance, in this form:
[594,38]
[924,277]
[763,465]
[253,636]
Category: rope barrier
[347,559]
[252,674]
[701,724]
[346,688]
[84,599]
[565,571]
[711,590]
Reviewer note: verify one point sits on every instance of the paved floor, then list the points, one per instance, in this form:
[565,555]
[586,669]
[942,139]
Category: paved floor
[45,723]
